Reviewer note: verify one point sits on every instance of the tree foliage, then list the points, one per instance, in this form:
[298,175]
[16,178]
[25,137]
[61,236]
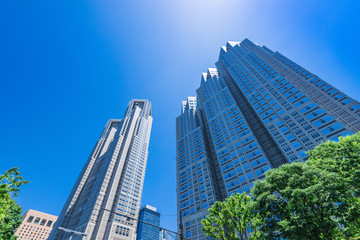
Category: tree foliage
[231,219]
[10,211]
[318,199]
[343,159]
[297,201]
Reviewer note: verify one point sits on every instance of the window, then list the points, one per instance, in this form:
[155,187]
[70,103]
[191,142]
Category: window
[337,97]
[322,121]
[314,114]
[331,128]
[355,107]
[307,108]
[284,129]
[296,144]
[346,101]
[250,175]
[242,179]
[289,136]
[30,219]
[43,222]
[203,196]
[37,220]
[246,166]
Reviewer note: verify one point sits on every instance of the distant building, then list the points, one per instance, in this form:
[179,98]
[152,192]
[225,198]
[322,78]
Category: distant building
[112,179]
[36,225]
[255,111]
[148,214]
[164,235]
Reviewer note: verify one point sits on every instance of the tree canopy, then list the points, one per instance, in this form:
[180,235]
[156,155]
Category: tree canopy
[343,159]
[231,219]
[297,201]
[10,211]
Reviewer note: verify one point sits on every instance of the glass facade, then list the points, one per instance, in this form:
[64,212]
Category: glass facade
[111,179]
[255,111]
[148,214]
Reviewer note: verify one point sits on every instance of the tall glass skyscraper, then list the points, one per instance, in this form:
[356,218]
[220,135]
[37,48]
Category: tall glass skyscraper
[148,214]
[111,179]
[255,111]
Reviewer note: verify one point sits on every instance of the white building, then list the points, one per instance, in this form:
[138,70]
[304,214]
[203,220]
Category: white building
[111,179]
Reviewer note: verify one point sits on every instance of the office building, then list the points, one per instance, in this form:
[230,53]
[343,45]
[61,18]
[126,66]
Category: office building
[111,180]
[255,111]
[164,235]
[148,214]
[36,225]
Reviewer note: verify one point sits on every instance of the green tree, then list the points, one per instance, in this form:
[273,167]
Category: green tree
[343,159]
[10,211]
[298,201]
[231,219]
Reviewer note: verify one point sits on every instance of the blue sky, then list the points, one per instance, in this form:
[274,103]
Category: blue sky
[67,66]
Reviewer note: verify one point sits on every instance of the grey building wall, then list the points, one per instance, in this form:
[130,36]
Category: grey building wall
[111,179]
[258,110]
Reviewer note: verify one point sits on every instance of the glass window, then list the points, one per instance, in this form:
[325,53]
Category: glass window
[246,188]
[296,144]
[30,219]
[355,107]
[43,222]
[37,220]
[203,196]
[246,166]
[242,179]
[331,128]
[289,136]
[346,101]
[250,175]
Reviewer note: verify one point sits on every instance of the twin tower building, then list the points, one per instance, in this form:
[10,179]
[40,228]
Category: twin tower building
[255,111]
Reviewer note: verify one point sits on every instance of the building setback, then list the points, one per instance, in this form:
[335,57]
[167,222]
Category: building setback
[36,225]
[148,214]
[255,111]
[111,179]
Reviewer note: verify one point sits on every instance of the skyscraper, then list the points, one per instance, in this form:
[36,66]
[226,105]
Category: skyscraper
[164,235]
[148,214]
[255,111]
[111,179]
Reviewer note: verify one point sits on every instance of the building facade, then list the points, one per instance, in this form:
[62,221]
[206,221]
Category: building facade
[111,180]
[164,235]
[36,225]
[148,214]
[255,111]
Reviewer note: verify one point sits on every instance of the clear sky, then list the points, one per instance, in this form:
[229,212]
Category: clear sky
[67,66]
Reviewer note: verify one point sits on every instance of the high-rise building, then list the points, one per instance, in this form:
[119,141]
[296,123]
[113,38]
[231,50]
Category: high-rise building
[164,235]
[112,179]
[148,214]
[36,225]
[255,111]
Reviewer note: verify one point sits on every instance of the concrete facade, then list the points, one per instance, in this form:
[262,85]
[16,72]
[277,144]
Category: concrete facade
[36,225]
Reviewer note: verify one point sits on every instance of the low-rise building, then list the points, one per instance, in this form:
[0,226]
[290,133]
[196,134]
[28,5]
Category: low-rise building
[36,225]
